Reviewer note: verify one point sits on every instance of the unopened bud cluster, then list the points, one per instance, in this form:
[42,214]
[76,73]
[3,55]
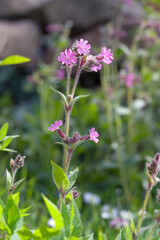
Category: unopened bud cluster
[154,167]
[17,163]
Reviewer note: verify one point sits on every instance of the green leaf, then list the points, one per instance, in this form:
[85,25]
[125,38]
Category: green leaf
[125,49]
[3,131]
[25,234]
[8,179]
[54,212]
[79,97]
[14,59]
[8,150]
[18,183]
[132,225]
[15,198]
[72,176]
[63,144]
[45,233]
[59,177]
[122,235]
[11,213]
[12,136]
[76,224]
[89,237]
[62,96]
[66,218]
[6,143]
[68,197]
[15,237]
[101,236]
[23,211]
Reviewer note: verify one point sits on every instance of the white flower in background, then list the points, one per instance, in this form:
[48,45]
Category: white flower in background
[108,212]
[126,214]
[51,223]
[138,104]
[123,111]
[91,198]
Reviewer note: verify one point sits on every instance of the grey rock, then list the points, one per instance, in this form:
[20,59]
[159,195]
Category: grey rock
[19,37]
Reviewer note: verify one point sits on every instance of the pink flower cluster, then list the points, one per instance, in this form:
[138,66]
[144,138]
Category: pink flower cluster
[92,136]
[82,49]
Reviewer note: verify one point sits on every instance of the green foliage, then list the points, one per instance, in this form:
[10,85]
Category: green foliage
[59,177]
[15,59]
[5,140]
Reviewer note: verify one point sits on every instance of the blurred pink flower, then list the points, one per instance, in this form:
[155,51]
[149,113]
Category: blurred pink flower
[118,223]
[61,74]
[68,57]
[106,56]
[83,47]
[129,79]
[54,28]
[93,135]
[127,2]
[55,126]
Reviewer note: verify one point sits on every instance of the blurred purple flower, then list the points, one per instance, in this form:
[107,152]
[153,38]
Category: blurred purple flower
[54,28]
[118,223]
[61,74]
[67,57]
[129,79]
[95,68]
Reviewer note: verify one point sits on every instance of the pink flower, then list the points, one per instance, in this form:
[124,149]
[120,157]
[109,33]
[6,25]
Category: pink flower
[83,47]
[118,223]
[55,126]
[95,68]
[68,57]
[93,135]
[106,56]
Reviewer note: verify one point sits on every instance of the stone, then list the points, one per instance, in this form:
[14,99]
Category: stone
[19,37]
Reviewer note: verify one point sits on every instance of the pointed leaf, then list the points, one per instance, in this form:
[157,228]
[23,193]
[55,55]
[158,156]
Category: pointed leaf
[23,211]
[79,97]
[66,218]
[14,59]
[59,177]
[69,197]
[25,234]
[15,198]
[72,176]
[63,144]
[6,143]
[3,131]
[8,179]
[12,136]
[61,94]
[8,150]
[18,183]
[89,237]
[121,235]
[76,224]
[54,212]
[101,236]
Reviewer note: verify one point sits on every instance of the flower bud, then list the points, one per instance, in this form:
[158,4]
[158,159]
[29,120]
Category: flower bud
[12,163]
[61,134]
[76,137]
[154,167]
[76,194]
[19,161]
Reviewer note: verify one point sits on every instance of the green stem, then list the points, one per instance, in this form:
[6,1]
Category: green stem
[68,81]
[68,161]
[76,80]
[143,209]
[12,181]
[130,119]
[155,225]
[4,235]
[66,134]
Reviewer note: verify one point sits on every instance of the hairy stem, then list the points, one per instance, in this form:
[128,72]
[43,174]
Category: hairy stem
[150,234]
[76,80]
[143,210]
